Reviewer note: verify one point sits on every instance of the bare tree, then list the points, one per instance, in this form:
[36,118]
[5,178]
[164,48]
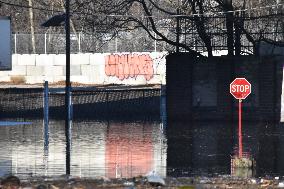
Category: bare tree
[31,14]
[150,15]
[208,23]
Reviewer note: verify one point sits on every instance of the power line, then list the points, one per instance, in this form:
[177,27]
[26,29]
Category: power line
[131,16]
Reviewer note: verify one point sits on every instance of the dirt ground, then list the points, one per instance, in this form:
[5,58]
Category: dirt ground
[12,182]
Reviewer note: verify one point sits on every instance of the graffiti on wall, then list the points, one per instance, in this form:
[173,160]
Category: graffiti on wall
[129,66]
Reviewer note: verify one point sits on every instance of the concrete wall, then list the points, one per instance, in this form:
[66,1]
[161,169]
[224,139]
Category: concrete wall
[120,68]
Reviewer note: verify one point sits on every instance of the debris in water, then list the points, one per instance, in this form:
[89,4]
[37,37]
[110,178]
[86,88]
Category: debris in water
[154,179]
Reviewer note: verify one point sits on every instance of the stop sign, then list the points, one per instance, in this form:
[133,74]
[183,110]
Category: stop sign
[240,88]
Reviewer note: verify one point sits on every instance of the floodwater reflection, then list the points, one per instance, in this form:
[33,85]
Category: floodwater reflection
[126,149]
[98,149]
[206,148]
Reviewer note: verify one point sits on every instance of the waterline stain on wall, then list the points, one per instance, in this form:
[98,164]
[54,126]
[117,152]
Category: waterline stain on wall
[129,66]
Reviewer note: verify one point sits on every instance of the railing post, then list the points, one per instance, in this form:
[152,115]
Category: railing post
[46,115]
[163,102]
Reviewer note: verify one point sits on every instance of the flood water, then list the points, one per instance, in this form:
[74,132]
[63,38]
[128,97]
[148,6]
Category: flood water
[98,149]
[124,149]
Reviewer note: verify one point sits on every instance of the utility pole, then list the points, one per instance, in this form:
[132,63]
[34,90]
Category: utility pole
[67,89]
[56,21]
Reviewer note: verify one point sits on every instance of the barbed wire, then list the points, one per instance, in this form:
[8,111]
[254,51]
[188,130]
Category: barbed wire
[131,16]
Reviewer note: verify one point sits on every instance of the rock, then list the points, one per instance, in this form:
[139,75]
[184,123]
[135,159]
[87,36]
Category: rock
[265,183]
[74,186]
[128,183]
[253,181]
[53,187]
[204,181]
[139,180]
[281,185]
[105,179]
[242,162]
[41,186]
[154,179]
[11,182]
[186,187]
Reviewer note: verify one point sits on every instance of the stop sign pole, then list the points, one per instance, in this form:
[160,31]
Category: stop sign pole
[240,88]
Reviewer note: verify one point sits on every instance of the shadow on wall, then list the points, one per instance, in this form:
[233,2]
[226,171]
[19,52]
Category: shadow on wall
[92,105]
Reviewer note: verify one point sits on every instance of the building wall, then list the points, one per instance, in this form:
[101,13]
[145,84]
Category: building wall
[198,88]
[118,68]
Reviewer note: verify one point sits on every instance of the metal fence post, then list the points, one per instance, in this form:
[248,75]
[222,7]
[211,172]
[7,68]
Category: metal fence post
[79,42]
[155,42]
[116,44]
[45,47]
[15,43]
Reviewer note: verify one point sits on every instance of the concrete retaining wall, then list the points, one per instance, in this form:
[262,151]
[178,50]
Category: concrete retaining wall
[119,68]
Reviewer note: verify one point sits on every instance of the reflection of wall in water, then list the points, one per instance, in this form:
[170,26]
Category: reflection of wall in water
[130,150]
[205,147]
[5,167]
[88,149]
[280,151]
[212,146]
[179,149]
[28,156]
[264,142]
[160,150]
[141,148]
[5,151]
[198,148]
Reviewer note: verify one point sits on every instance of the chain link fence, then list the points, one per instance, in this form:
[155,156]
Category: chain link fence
[270,27]
[51,43]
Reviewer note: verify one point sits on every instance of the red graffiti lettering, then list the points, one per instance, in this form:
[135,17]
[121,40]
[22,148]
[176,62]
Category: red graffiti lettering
[129,65]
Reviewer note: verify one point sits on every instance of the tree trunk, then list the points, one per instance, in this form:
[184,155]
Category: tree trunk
[200,26]
[177,31]
[230,27]
[238,34]
[31,14]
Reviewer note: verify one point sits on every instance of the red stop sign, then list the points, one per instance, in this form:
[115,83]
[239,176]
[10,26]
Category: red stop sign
[240,88]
